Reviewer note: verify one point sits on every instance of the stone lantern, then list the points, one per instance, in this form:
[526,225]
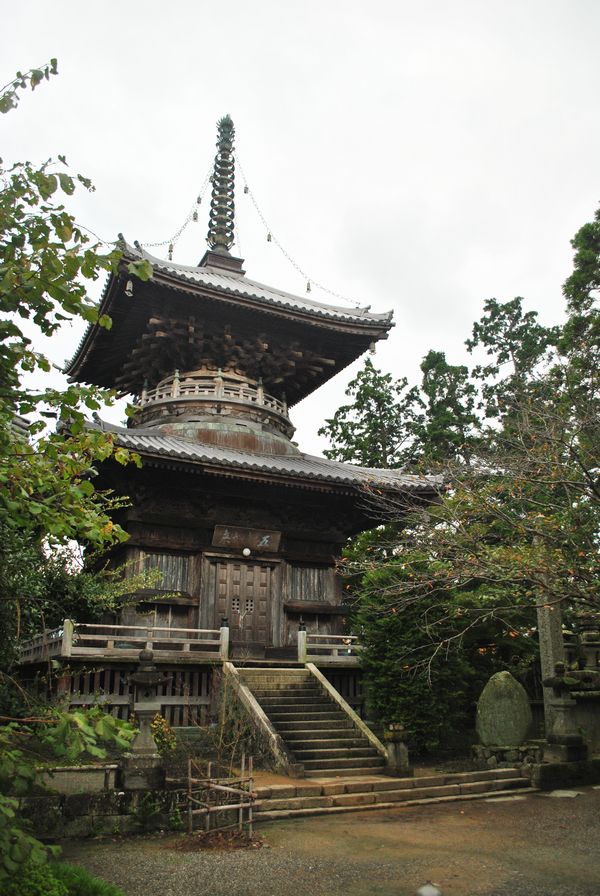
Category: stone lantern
[142,766]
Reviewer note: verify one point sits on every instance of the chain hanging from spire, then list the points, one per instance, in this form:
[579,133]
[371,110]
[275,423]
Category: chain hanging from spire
[222,208]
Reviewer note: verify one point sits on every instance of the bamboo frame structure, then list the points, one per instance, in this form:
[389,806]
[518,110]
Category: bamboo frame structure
[209,796]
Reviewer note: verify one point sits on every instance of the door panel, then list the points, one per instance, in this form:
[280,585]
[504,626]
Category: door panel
[243,595]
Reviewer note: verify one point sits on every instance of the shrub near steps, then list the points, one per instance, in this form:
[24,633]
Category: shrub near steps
[381,792]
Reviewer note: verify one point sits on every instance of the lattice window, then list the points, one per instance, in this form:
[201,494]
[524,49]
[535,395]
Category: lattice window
[249,605]
[235,604]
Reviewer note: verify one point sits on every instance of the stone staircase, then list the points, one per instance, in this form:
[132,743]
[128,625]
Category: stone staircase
[317,730]
[298,799]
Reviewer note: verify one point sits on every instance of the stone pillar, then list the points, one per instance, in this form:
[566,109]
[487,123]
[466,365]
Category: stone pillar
[397,758]
[552,651]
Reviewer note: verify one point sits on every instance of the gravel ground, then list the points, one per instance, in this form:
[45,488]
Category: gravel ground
[525,846]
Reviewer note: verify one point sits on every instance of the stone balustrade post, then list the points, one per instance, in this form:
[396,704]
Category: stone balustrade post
[67,638]
[302,646]
[224,640]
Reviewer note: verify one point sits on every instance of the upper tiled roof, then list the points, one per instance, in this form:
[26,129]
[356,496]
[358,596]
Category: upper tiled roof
[237,284]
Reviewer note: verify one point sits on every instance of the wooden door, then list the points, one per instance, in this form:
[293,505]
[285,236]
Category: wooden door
[243,595]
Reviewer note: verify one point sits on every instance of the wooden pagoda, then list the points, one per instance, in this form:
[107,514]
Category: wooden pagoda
[243,527]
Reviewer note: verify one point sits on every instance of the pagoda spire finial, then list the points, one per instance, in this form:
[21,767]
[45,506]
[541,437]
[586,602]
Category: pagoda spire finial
[222,208]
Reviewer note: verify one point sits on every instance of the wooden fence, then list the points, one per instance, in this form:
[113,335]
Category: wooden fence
[185,695]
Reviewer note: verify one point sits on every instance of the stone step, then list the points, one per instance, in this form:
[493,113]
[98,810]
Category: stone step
[271,810]
[308,726]
[307,716]
[469,782]
[285,700]
[324,743]
[326,765]
[358,771]
[337,752]
[288,691]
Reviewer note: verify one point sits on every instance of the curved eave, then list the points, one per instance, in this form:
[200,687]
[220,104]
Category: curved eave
[229,290]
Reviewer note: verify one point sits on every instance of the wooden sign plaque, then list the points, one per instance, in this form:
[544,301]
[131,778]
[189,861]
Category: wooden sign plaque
[240,538]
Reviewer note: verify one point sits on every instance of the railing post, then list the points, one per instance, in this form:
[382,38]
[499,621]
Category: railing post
[302,647]
[219,384]
[67,638]
[144,395]
[260,392]
[175,385]
[224,640]
[149,638]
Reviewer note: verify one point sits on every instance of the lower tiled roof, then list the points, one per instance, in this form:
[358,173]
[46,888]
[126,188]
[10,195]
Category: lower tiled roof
[301,466]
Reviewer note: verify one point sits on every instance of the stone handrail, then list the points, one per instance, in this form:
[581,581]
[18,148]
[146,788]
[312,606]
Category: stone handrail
[354,718]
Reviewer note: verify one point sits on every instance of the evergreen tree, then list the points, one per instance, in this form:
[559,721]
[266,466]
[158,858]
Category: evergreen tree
[378,428]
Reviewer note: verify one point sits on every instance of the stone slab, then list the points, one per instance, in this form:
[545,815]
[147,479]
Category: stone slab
[354,799]
[332,789]
[309,790]
[474,786]
[359,787]
[431,792]
[563,794]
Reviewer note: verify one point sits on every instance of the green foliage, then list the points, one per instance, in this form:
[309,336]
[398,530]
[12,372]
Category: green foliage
[377,429]
[36,880]
[164,736]
[147,812]
[47,463]
[79,881]
[516,345]
[46,264]
[449,422]
[63,735]
[9,94]
[445,593]
[57,879]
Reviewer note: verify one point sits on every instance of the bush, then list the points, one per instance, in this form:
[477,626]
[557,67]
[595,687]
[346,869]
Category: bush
[79,882]
[57,879]
[35,880]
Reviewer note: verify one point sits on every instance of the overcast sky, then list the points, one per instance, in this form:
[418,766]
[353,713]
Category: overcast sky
[414,156]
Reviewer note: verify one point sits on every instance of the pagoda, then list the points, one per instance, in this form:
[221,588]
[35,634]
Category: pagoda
[243,527]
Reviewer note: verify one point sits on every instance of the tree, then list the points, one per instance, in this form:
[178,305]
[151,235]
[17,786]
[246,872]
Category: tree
[47,464]
[517,525]
[449,421]
[47,496]
[377,429]
[390,424]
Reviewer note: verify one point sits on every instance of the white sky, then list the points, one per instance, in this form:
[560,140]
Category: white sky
[420,156]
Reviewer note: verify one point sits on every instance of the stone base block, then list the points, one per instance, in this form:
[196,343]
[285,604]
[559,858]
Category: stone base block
[509,756]
[553,775]
[142,773]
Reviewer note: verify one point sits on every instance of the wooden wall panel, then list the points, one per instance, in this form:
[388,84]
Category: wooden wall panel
[311,583]
[175,569]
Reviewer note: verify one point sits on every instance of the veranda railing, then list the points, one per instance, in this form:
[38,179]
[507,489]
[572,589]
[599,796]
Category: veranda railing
[95,639]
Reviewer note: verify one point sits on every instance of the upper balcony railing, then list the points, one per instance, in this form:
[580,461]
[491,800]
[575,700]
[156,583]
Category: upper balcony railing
[209,386]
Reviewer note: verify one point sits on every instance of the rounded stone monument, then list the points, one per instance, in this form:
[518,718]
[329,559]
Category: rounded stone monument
[503,712]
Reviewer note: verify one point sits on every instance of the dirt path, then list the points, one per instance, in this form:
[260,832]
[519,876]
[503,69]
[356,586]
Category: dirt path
[529,846]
